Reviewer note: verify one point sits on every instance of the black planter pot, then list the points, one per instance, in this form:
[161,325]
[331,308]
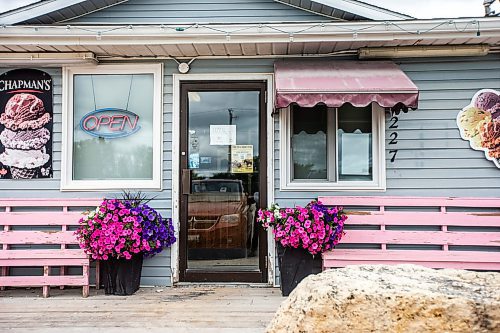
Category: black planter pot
[295,265]
[122,277]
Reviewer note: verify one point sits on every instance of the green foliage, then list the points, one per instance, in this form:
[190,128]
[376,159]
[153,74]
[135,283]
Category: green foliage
[135,198]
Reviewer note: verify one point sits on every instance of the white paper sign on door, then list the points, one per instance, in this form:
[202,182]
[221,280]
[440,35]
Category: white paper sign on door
[222,135]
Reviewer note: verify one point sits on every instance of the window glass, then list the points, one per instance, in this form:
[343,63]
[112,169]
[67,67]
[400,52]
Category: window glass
[238,109]
[309,142]
[113,127]
[355,143]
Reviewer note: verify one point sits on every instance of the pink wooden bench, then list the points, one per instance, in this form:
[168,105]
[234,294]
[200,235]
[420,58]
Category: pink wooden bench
[457,242]
[16,215]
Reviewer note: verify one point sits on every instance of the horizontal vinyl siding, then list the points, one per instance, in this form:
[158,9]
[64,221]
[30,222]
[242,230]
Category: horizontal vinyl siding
[156,270]
[432,159]
[197,11]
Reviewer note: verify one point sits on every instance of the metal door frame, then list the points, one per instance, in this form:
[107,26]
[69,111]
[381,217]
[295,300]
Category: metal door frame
[192,275]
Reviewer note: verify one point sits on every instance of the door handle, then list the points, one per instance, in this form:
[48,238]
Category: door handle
[186,181]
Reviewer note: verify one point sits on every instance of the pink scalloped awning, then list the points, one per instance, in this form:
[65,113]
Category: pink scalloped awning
[335,83]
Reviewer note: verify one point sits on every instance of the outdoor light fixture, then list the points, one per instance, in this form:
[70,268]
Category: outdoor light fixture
[183,67]
[47,59]
[423,51]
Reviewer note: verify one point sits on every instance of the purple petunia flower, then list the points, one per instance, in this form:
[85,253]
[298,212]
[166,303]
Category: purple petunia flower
[156,231]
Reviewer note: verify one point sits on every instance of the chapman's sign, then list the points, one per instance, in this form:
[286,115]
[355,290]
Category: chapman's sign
[32,85]
[110,123]
[26,124]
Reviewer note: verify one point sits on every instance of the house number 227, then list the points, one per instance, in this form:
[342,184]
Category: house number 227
[393,137]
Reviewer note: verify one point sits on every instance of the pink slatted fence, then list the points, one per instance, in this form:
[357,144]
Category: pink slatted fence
[472,248]
[60,221]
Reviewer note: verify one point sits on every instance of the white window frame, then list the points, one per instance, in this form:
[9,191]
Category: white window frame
[378,141]
[67,182]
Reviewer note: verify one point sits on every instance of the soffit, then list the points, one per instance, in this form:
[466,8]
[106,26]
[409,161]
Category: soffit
[248,40]
[236,49]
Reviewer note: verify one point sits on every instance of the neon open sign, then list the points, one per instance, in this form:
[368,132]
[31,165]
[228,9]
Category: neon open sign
[110,123]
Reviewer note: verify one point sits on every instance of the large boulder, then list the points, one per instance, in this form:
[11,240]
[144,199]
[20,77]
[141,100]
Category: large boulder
[404,298]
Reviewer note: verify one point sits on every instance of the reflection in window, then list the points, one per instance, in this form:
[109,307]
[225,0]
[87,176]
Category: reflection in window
[239,109]
[332,144]
[223,135]
[99,157]
[309,143]
[355,143]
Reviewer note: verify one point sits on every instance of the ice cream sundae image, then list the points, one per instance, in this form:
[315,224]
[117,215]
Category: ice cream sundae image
[479,123]
[24,137]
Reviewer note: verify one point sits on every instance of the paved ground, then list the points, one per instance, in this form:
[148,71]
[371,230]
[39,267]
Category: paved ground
[192,309]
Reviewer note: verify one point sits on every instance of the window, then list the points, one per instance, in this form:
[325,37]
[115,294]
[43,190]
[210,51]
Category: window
[112,127]
[333,148]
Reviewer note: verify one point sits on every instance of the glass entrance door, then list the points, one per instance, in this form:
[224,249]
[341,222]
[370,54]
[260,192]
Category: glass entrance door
[223,181]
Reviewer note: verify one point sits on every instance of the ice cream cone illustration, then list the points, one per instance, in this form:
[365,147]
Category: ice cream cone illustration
[24,136]
[18,160]
[22,173]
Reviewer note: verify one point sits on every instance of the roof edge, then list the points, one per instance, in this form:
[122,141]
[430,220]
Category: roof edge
[38,9]
[354,7]
[388,11]
[482,29]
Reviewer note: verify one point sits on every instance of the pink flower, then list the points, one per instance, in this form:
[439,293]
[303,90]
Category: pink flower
[310,227]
